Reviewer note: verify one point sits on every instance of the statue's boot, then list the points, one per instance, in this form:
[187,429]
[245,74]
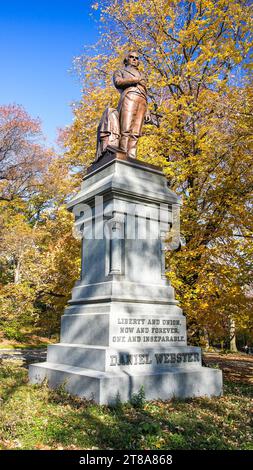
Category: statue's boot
[123,145]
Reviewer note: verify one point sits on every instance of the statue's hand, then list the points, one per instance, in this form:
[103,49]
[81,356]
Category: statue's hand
[134,81]
[142,82]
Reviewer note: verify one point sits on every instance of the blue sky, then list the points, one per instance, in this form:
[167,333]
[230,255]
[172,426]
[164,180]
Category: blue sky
[38,40]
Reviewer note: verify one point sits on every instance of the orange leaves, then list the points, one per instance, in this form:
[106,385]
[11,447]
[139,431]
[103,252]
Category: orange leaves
[22,159]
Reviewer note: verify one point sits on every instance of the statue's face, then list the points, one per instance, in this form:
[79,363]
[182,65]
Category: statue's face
[133,59]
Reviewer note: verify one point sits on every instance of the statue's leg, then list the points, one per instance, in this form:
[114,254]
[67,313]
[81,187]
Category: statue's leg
[137,126]
[127,115]
[132,146]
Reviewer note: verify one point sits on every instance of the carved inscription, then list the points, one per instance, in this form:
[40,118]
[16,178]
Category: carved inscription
[148,330]
[125,359]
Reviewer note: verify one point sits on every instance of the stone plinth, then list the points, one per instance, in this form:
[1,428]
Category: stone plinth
[123,328]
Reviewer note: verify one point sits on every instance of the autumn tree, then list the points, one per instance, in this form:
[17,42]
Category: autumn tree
[197,55]
[22,158]
[39,258]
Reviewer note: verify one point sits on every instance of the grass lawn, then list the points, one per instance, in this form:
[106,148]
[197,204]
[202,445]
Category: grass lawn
[34,417]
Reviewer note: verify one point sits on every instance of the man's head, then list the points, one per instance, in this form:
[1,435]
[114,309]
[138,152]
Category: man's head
[132,58]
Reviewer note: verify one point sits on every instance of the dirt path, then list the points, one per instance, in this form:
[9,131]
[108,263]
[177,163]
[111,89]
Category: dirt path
[28,356]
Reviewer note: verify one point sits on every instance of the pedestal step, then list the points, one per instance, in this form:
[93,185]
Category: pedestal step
[106,388]
[107,359]
[126,291]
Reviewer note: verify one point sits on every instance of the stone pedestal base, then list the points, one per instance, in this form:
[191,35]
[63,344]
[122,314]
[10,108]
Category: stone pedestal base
[123,328]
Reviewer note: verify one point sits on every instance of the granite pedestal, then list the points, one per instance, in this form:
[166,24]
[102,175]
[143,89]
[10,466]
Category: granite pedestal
[123,328]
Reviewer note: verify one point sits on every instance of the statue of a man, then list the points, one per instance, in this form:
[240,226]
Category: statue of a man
[132,107]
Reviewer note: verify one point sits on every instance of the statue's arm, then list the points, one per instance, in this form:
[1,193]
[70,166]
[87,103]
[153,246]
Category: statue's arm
[120,82]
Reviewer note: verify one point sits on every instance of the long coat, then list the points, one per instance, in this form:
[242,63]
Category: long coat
[125,82]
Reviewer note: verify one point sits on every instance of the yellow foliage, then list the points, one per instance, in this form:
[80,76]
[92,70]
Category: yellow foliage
[190,51]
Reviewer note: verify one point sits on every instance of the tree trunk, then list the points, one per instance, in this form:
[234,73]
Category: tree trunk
[232,335]
[17,269]
[206,338]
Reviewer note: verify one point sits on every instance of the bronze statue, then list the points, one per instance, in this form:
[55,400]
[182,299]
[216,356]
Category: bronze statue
[132,107]
[131,112]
